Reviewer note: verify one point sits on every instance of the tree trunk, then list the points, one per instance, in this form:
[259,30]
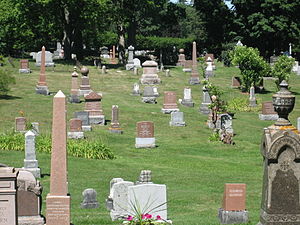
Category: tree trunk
[67,33]
[132,33]
[121,45]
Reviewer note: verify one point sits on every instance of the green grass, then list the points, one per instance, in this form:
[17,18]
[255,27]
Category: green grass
[193,168]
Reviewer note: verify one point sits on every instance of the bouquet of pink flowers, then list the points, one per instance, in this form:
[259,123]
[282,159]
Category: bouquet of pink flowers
[146,219]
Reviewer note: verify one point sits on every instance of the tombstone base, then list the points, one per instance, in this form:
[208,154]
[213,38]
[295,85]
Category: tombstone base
[151,100]
[268,116]
[252,103]
[75,135]
[99,120]
[36,172]
[58,210]
[145,143]
[74,99]
[194,80]
[84,92]
[135,94]
[115,130]
[204,108]
[90,205]
[30,220]
[129,66]
[177,124]
[211,125]
[232,217]
[187,70]
[150,79]
[86,128]
[42,90]
[47,64]
[24,71]
[209,74]
[169,111]
[187,103]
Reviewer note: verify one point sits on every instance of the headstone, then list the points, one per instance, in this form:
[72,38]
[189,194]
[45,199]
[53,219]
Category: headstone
[58,201]
[235,82]
[84,117]
[252,98]
[168,73]
[89,199]
[177,119]
[74,98]
[30,162]
[33,55]
[59,52]
[217,124]
[115,125]
[24,66]
[148,95]
[187,98]
[75,131]
[103,70]
[130,63]
[135,71]
[298,71]
[239,43]
[137,63]
[85,87]
[149,75]
[295,67]
[206,101]
[181,58]
[268,112]
[104,53]
[136,90]
[209,68]
[145,135]
[170,102]
[187,67]
[93,106]
[155,91]
[212,58]
[41,87]
[234,210]
[273,59]
[29,199]
[48,59]
[152,197]
[280,149]
[20,124]
[8,196]
[194,79]
[226,123]
[145,177]
[35,128]
[118,202]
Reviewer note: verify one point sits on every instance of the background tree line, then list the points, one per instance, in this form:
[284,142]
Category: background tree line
[26,25]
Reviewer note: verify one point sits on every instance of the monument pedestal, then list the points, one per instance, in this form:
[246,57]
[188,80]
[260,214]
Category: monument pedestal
[43,90]
[115,130]
[194,80]
[187,103]
[204,108]
[151,100]
[76,135]
[99,120]
[232,217]
[58,210]
[30,220]
[145,143]
[24,71]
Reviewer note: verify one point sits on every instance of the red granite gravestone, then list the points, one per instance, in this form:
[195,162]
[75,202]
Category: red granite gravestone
[20,124]
[234,197]
[145,129]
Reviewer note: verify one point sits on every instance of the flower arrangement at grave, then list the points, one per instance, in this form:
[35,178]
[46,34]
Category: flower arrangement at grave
[145,219]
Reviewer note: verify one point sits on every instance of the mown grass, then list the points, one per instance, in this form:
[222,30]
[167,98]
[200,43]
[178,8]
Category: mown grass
[193,168]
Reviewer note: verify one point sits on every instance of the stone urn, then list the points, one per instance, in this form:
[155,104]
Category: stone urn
[84,71]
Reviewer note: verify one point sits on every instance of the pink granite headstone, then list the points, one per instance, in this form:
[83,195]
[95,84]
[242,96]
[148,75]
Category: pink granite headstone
[20,124]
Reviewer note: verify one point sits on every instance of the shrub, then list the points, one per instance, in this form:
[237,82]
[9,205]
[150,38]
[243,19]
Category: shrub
[251,64]
[6,79]
[240,105]
[77,148]
[282,69]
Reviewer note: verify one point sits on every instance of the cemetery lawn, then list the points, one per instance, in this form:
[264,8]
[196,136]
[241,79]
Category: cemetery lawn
[193,168]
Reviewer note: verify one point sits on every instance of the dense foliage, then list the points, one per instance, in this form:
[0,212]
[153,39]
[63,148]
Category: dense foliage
[282,69]
[6,79]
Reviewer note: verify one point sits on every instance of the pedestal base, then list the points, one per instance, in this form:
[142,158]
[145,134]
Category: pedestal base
[204,108]
[177,124]
[115,130]
[74,99]
[75,135]
[194,80]
[151,100]
[42,90]
[187,103]
[99,120]
[30,220]
[35,171]
[58,210]
[187,70]
[47,64]
[252,103]
[129,66]
[268,116]
[169,111]
[84,92]
[145,143]
[209,74]
[90,205]
[150,80]
[24,71]
[87,128]
[232,217]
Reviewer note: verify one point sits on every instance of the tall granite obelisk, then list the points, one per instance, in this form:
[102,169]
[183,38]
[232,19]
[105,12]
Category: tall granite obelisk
[194,79]
[58,200]
[41,87]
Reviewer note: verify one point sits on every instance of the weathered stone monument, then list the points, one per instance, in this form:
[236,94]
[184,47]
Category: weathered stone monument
[194,79]
[136,90]
[29,199]
[103,69]
[145,135]
[187,98]
[149,75]
[149,95]
[233,210]
[24,66]
[89,199]
[84,117]
[212,58]
[177,119]
[8,196]
[75,131]
[209,68]
[206,101]
[226,122]
[41,87]
[170,102]
[85,87]
[48,59]
[20,124]
[181,58]
[58,201]
[137,63]
[252,98]
[93,106]
[74,98]
[130,63]
[268,112]
[187,67]
[235,82]
[30,162]
[115,125]
[280,149]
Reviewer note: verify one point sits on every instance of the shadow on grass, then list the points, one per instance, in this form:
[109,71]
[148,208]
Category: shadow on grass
[9,97]
[295,93]
[45,175]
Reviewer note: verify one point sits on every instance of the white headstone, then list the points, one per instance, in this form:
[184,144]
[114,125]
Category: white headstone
[48,59]
[177,119]
[137,63]
[30,162]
